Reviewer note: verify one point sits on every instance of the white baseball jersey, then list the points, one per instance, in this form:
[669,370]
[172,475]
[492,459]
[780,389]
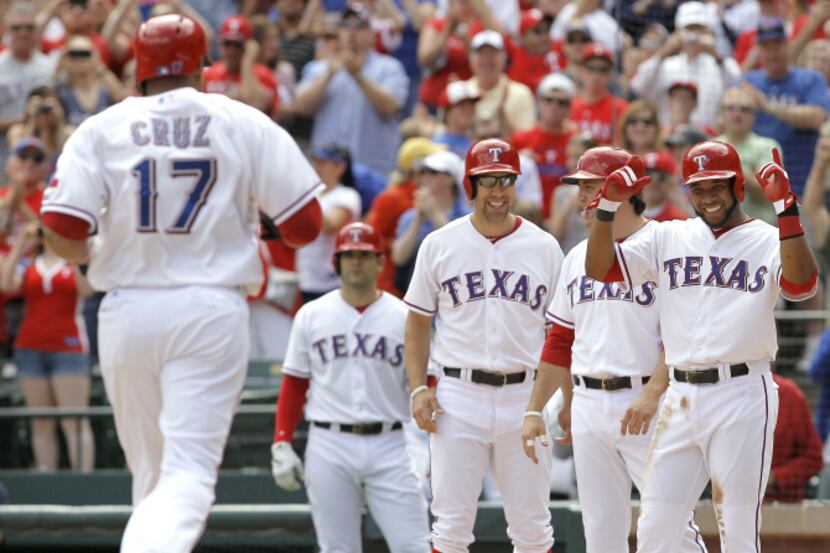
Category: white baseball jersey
[617,331]
[354,360]
[172,183]
[717,294]
[475,288]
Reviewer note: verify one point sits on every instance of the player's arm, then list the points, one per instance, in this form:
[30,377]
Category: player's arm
[66,236]
[416,355]
[303,227]
[310,96]
[799,272]
[10,280]
[619,186]
[638,416]
[815,209]
[552,374]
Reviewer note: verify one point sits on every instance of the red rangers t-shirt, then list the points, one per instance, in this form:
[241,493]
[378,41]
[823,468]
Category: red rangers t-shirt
[600,118]
[453,63]
[53,319]
[549,152]
[530,69]
[221,81]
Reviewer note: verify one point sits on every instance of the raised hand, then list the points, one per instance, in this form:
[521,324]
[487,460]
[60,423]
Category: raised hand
[775,183]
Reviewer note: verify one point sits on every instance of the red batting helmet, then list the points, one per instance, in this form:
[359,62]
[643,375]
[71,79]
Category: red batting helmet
[489,156]
[598,163]
[170,44]
[356,236]
[714,160]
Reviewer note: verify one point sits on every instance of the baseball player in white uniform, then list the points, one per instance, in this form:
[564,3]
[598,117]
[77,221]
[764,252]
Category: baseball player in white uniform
[605,345]
[346,350]
[486,280]
[719,277]
[170,184]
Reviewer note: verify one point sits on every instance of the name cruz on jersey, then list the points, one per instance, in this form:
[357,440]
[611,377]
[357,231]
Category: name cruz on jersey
[340,346]
[176,131]
[585,289]
[713,271]
[477,285]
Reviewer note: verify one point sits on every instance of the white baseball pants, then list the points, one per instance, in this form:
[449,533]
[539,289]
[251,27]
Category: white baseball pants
[481,428]
[720,431]
[174,364]
[343,470]
[606,465]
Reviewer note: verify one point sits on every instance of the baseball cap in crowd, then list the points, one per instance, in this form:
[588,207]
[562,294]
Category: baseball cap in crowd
[688,85]
[414,149]
[357,11]
[330,152]
[597,50]
[445,162]
[577,29]
[531,19]
[457,92]
[236,28]
[661,162]
[770,28]
[29,142]
[693,13]
[489,38]
[556,82]
[686,135]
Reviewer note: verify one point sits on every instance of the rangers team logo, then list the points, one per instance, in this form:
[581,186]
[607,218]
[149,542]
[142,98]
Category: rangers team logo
[701,161]
[495,153]
[356,235]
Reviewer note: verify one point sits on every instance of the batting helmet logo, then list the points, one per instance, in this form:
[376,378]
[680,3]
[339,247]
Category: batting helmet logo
[714,159]
[701,161]
[495,153]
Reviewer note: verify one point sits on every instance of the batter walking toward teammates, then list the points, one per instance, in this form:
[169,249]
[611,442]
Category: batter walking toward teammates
[719,277]
[170,183]
[347,346]
[605,351]
[486,279]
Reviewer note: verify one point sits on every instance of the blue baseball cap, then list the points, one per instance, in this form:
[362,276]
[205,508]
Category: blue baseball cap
[330,152]
[770,28]
[29,142]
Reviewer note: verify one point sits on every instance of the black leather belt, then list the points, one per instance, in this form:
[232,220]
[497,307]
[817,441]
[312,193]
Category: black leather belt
[486,377]
[608,384]
[365,429]
[708,376]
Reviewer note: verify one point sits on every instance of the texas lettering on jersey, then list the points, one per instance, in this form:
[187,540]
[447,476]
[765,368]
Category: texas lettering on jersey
[506,285]
[713,271]
[585,289]
[368,346]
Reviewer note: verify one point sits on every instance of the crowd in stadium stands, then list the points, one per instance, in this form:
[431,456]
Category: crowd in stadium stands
[386,96]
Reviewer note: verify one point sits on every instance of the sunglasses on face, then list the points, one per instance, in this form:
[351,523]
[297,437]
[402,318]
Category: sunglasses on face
[232,44]
[645,122]
[37,157]
[564,102]
[23,27]
[490,181]
[736,107]
[354,24]
[578,39]
[80,54]
[604,69]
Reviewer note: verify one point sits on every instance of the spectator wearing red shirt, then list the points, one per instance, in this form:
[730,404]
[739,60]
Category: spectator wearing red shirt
[390,204]
[51,351]
[238,75]
[596,111]
[796,452]
[547,142]
[662,195]
[532,56]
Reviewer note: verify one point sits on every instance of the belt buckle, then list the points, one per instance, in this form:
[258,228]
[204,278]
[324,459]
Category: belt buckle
[358,429]
[503,379]
[606,384]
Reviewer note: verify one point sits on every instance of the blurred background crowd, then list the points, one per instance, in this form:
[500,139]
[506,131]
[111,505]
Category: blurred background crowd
[386,96]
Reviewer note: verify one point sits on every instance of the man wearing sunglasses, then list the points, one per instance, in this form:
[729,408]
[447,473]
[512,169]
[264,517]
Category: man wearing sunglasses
[595,110]
[237,74]
[737,116]
[485,280]
[22,68]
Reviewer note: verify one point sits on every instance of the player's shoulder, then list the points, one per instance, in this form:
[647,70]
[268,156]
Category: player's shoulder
[393,303]
[323,304]
[448,233]
[532,232]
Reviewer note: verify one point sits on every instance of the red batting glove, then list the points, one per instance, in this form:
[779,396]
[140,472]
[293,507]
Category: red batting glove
[620,185]
[775,183]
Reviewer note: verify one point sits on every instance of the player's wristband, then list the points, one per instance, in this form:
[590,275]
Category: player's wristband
[789,223]
[534,414]
[417,391]
[607,205]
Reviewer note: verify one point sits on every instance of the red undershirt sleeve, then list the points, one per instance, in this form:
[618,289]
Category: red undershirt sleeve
[289,407]
[304,226]
[558,345]
[793,291]
[66,226]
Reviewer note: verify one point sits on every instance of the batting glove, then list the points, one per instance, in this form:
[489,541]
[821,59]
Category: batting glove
[621,185]
[286,467]
[775,182]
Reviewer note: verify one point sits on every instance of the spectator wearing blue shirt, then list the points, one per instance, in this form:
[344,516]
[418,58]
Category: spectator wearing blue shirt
[355,96]
[458,104]
[439,200]
[791,102]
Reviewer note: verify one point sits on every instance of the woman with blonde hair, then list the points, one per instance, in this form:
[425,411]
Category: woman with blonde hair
[639,129]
